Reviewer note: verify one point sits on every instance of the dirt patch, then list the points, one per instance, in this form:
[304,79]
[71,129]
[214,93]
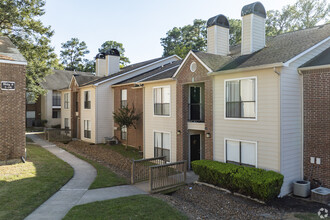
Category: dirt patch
[203,202]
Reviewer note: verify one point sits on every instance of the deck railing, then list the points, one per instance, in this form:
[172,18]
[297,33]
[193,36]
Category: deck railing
[165,176]
[60,135]
[140,168]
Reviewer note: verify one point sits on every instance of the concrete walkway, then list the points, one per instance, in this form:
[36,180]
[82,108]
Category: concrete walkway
[76,191]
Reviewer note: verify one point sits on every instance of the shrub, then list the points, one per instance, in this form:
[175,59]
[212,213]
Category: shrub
[254,182]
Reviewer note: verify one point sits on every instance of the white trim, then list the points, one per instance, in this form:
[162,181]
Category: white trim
[244,69]
[287,63]
[153,141]
[183,62]
[256,99]
[142,67]
[314,67]
[240,140]
[14,62]
[153,101]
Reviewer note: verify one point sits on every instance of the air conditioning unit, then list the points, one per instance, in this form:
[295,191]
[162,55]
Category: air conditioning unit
[301,188]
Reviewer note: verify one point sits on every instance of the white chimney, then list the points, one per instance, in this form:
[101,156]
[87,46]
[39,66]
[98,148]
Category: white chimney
[218,35]
[107,63]
[253,28]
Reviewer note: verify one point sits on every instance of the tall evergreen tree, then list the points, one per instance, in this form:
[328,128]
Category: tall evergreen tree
[73,53]
[115,45]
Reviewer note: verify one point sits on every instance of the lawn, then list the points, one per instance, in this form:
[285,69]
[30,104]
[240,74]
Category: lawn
[132,207]
[307,216]
[28,140]
[25,186]
[131,152]
[105,177]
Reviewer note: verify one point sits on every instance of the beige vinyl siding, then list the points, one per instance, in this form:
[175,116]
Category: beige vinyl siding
[291,120]
[65,113]
[246,34]
[258,33]
[264,130]
[159,123]
[218,40]
[87,114]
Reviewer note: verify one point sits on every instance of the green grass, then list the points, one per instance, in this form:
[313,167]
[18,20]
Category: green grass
[28,139]
[105,177]
[34,129]
[133,207]
[131,152]
[25,186]
[307,216]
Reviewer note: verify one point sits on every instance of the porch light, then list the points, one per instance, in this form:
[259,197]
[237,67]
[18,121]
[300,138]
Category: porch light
[178,132]
[208,135]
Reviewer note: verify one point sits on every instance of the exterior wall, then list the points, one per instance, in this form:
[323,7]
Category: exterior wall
[47,109]
[134,97]
[12,113]
[185,78]
[36,107]
[291,119]
[253,33]
[65,113]
[317,124]
[159,123]
[218,40]
[265,130]
[88,114]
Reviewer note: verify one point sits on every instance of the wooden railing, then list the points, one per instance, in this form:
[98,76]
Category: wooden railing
[165,176]
[140,168]
[60,135]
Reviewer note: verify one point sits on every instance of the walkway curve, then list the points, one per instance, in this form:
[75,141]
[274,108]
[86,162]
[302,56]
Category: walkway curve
[59,204]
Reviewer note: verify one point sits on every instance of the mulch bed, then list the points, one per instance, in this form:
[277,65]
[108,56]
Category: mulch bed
[203,202]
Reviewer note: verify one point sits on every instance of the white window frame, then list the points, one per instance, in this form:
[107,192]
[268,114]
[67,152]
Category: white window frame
[90,122]
[64,106]
[256,99]
[153,142]
[121,97]
[153,101]
[251,142]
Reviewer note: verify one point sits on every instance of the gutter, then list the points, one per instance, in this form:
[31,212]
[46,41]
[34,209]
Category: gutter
[265,66]
[14,62]
[314,67]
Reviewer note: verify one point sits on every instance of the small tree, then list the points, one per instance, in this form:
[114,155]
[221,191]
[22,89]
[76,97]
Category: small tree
[126,117]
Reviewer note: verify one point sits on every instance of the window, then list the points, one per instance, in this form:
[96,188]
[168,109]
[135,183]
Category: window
[123,101]
[87,99]
[30,98]
[56,113]
[240,152]
[241,98]
[87,129]
[56,98]
[66,100]
[66,123]
[162,97]
[30,114]
[124,133]
[162,145]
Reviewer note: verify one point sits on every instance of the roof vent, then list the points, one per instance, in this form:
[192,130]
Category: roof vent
[254,8]
[219,20]
[218,35]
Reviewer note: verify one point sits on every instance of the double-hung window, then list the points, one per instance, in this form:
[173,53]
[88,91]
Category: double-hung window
[56,113]
[123,100]
[241,98]
[241,152]
[66,123]
[66,100]
[162,97]
[87,99]
[162,145]
[30,98]
[87,129]
[56,98]
[124,133]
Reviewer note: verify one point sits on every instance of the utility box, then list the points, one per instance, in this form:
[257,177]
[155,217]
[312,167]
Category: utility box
[321,195]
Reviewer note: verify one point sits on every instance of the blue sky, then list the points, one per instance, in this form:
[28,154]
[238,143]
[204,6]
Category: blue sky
[139,25]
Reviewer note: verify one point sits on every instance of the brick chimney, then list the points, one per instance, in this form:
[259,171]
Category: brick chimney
[218,35]
[253,28]
[107,63]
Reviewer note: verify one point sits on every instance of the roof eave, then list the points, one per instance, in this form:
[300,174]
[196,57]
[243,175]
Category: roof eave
[245,69]
[14,62]
[314,67]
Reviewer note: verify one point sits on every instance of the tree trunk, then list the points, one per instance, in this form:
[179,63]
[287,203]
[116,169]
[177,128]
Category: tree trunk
[126,140]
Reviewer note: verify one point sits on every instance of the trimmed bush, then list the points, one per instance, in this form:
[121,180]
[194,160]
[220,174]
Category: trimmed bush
[250,181]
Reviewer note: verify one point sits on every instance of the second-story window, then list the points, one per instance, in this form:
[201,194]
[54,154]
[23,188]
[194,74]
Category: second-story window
[241,98]
[162,97]
[56,98]
[123,101]
[87,99]
[30,98]
[66,100]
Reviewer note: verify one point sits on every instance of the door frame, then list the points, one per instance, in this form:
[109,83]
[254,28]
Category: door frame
[189,146]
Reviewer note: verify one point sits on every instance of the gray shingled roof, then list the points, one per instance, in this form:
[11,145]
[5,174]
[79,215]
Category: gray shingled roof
[8,51]
[60,79]
[163,72]
[320,60]
[213,61]
[82,79]
[124,70]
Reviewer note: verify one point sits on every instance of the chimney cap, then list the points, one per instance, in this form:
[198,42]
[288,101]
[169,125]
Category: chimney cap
[100,56]
[219,20]
[113,52]
[254,8]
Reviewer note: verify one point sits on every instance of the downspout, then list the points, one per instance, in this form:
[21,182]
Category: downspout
[144,118]
[302,123]
[96,114]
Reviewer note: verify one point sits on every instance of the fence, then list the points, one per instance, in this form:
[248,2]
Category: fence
[165,176]
[60,135]
[140,168]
